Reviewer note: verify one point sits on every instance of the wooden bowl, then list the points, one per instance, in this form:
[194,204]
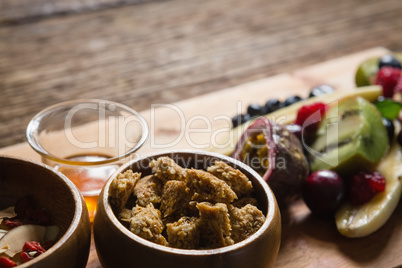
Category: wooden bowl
[54,192]
[118,247]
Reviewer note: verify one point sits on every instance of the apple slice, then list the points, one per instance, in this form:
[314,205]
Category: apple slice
[7,213]
[13,241]
[361,221]
[2,232]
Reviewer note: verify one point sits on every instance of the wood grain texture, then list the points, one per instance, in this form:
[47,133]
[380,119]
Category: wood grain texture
[306,241]
[167,51]
[301,230]
[16,11]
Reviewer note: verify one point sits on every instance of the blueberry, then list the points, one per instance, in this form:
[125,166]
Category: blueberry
[291,100]
[246,117]
[272,105]
[255,109]
[389,60]
[236,120]
[321,90]
[389,125]
[240,119]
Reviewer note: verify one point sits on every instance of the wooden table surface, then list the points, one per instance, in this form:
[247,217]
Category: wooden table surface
[166,51]
[144,52]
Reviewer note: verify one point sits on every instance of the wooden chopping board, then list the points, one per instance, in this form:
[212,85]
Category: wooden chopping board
[197,123]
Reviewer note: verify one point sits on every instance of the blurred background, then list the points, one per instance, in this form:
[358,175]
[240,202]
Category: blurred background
[143,52]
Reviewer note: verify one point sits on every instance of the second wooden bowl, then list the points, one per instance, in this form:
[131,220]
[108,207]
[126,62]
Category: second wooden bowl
[54,192]
[118,247]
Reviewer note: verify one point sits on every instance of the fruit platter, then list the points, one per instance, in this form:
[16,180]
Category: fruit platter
[343,213]
[351,144]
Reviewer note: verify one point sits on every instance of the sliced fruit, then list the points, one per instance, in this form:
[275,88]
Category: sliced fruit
[368,69]
[359,221]
[7,213]
[14,240]
[277,155]
[352,137]
[226,142]
[2,232]
[366,73]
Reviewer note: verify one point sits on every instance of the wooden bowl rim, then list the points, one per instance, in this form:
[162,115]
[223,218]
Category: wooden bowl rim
[271,207]
[77,212]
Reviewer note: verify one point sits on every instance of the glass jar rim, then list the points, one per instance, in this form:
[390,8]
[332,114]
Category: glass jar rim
[35,144]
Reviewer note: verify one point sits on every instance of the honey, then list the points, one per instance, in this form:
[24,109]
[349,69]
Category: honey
[89,179]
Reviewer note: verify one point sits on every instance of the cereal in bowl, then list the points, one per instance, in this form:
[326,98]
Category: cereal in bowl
[187,208]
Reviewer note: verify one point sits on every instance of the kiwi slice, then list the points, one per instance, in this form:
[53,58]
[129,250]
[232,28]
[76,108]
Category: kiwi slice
[366,73]
[368,69]
[350,138]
